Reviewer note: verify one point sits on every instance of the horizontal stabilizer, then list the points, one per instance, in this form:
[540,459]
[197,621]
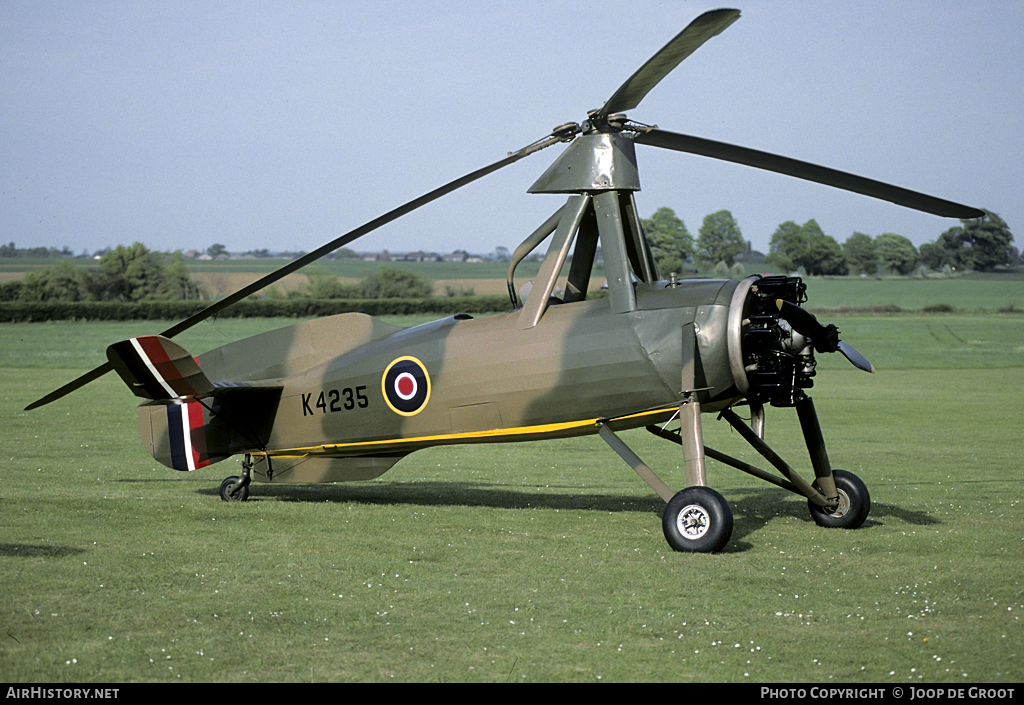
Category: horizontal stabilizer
[155,367]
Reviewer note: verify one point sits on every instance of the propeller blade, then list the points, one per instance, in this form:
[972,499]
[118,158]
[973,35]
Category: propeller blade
[630,93]
[858,360]
[807,171]
[824,338]
[301,262]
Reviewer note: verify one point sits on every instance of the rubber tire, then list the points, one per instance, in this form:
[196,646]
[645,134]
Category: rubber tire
[240,494]
[854,503]
[697,520]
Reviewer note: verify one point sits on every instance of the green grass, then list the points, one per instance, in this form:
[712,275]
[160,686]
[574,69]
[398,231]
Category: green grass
[528,562]
[954,341]
[989,292]
[72,344]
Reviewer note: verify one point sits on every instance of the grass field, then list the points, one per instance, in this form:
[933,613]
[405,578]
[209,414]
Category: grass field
[519,563]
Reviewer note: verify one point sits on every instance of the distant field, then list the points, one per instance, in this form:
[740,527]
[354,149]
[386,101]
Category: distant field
[220,278]
[539,562]
[971,292]
[483,278]
[974,292]
[357,269]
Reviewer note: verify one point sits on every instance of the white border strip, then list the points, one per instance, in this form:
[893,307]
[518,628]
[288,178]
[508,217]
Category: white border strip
[149,365]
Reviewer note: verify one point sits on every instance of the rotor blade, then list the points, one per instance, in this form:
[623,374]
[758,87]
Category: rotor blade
[341,241]
[858,360]
[630,93]
[303,261]
[90,376]
[807,171]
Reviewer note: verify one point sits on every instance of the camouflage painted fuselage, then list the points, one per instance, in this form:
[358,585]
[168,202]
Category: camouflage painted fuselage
[345,397]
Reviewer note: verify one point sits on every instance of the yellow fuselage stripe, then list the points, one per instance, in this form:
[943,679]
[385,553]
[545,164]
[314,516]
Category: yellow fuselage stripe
[370,446]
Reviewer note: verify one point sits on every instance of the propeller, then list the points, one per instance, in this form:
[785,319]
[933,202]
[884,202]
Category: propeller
[824,338]
[858,360]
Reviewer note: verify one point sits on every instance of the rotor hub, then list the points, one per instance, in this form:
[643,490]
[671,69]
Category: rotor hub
[598,122]
[595,161]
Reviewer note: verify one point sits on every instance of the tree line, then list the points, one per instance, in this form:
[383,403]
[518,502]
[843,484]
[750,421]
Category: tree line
[126,273]
[980,245]
[10,250]
[134,274]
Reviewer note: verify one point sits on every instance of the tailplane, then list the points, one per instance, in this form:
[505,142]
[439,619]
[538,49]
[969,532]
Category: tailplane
[188,421]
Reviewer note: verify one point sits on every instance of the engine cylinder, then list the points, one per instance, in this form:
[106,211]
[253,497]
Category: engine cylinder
[770,362]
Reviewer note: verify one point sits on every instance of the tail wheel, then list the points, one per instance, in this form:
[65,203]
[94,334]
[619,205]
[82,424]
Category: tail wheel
[697,520]
[240,493]
[854,503]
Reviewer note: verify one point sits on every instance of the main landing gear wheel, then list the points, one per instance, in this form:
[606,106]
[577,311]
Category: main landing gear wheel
[854,503]
[241,493]
[697,520]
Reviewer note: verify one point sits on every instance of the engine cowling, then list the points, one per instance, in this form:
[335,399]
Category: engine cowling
[770,360]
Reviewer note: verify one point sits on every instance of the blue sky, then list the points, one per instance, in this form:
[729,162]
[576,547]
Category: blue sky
[282,125]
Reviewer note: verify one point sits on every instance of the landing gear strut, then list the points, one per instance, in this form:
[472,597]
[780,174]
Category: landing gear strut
[699,520]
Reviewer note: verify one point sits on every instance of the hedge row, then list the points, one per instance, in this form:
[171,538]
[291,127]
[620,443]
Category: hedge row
[19,312]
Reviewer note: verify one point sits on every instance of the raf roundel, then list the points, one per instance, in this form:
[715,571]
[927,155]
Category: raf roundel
[406,386]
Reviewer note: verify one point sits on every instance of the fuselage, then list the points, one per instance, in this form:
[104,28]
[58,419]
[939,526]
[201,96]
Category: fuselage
[466,380]
[347,396]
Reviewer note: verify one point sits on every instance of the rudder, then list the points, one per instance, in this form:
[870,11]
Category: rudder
[176,435]
[188,433]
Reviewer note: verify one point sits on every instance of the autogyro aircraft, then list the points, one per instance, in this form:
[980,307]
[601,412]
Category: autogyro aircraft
[346,397]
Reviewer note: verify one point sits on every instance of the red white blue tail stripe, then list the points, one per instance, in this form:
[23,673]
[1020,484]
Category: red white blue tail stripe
[187,435]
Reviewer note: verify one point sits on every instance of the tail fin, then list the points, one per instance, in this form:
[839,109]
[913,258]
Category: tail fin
[155,367]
